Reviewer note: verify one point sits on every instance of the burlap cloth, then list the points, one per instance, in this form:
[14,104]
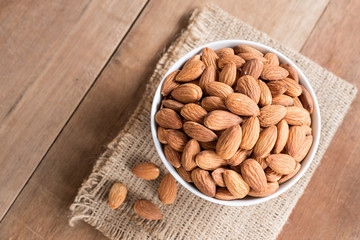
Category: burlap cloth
[191,217]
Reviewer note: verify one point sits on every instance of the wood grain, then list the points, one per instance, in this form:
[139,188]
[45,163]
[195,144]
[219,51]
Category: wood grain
[330,206]
[52,51]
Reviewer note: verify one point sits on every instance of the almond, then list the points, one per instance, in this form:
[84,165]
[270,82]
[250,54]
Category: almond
[146,170]
[192,148]
[277,88]
[283,100]
[241,104]
[196,57]
[272,59]
[117,195]
[176,139]
[265,94]
[297,102]
[228,74]
[184,174]
[161,133]
[250,133]
[223,193]
[168,118]
[147,210]
[272,72]
[239,157]
[281,163]
[250,55]
[219,89]
[209,57]
[172,156]
[262,162]
[193,112]
[271,188]
[203,182]
[253,68]
[271,115]
[208,145]
[172,104]
[235,184]
[229,142]
[220,120]
[296,139]
[301,154]
[247,49]
[209,160]
[284,178]
[190,71]
[167,189]
[169,83]
[253,174]
[282,136]
[207,77]
[271,175]
[217,176]
[230,58]
[306,100]
[266,142]
[212,103]
[199,132]
[187,93]
[292,71]
[293,88]
[248,85]
[297,116]
[224,51]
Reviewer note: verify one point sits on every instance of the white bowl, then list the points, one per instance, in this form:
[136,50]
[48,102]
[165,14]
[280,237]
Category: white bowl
[315,117]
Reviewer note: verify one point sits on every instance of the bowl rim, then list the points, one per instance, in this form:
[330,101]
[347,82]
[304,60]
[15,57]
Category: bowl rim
[314,116]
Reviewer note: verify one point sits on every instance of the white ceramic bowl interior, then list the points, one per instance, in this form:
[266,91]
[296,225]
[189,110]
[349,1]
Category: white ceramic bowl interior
[315,117]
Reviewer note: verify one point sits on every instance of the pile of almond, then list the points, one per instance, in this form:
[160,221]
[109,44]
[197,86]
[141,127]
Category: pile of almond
[235,122]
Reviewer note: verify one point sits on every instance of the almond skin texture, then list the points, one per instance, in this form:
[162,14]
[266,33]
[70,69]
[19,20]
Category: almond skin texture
[266,142]
[282,136]
[187,93]
[193,112]
[217,176]
[190,71]
[168,118]
[265,94]
[219,89]
[253,67]
[249,56]
[203,182]
[250,133]
[253,174]
[272,59]
[283,100]
[196,57]
[306,100]
[272,72]
[192,148]
[292,71]
[281,163]
[239,157]
[230,58]
[297,116]
[209,160]
[184,174]
[212,103]
[271,175]
[224,51]
[169,83]
[199,132]
[167,189]
[297,102]
[209,57]
[235,184]
[176,139]
[271,188]
[207,77]
[247,49]
[277,88]
[262,162]
[220,120]
[241,104]
[229,142]
[228,74]
[208,145]
[146,170]
[248,85]
[284,178]
[161,133]
[172,104]
[301,154]
[117,195]
[271,115]
[147,210]
[294,89]
[223,193]
[296,139]
[172,156]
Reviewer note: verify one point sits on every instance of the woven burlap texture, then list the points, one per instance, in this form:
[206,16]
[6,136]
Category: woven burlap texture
[191,217]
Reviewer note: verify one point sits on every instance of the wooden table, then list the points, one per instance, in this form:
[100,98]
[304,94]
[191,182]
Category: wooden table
[73,71]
